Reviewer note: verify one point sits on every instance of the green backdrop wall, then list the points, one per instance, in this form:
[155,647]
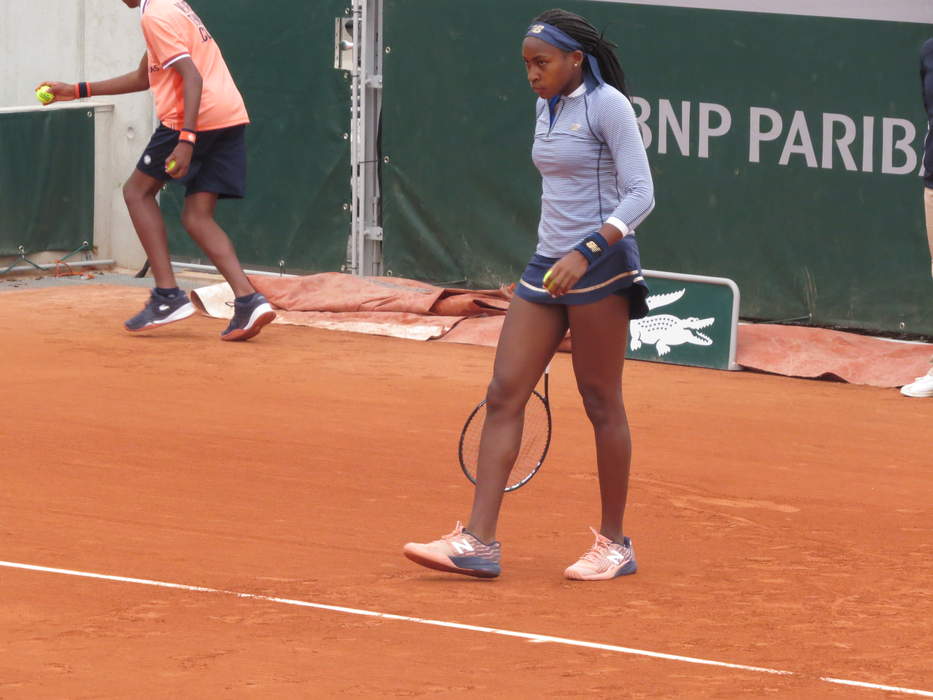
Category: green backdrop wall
[810,198]
[281,56]
[46,180]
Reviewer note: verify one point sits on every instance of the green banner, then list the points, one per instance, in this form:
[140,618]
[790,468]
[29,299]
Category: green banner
[281,57]
[784,151]
[46,180]
[691,321]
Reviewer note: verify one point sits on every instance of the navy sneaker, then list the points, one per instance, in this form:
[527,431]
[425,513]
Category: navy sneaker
[248,317]
[161,310]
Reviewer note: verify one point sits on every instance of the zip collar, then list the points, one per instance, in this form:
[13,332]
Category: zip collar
[579,91]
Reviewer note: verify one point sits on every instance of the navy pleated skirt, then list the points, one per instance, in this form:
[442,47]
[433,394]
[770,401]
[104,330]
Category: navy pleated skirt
[618,271]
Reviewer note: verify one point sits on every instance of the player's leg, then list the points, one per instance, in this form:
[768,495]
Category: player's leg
[530,335]
[220,157]
[198,219]
[139,193]
[599,332]
[922,387]
[251,310]
[529,338]
[166,303]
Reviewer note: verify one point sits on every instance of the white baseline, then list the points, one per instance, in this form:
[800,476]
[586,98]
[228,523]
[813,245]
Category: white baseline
[539,638]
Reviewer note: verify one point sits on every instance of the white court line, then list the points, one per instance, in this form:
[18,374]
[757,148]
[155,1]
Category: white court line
[540,638]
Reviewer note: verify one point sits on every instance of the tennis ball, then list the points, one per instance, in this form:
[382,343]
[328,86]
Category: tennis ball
[44,94]
[170,166]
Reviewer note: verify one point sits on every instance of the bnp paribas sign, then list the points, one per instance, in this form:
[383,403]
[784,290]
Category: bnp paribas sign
[692,320]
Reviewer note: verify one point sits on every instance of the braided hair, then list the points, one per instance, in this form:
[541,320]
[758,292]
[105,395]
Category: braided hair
[593,43]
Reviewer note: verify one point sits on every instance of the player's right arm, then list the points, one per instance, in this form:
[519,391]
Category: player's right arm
[137,81]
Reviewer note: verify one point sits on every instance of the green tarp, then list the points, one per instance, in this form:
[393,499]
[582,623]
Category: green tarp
[281,56]
[807,195]
[46,180]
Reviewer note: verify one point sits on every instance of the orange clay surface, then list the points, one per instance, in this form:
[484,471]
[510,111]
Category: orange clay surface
[778,523]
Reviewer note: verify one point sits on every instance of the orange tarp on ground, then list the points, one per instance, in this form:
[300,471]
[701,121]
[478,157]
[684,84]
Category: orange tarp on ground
[797,351]
[406,308]
[392,306]
[333,291]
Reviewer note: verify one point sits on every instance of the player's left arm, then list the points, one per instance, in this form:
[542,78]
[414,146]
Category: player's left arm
[193,86]
[613,122]
[926,76]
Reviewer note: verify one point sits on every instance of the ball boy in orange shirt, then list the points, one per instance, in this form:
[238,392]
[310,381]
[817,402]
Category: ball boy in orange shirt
[200,143]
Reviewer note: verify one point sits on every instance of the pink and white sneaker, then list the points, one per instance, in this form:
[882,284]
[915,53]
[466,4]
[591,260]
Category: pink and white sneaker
[605,560]
[458,552]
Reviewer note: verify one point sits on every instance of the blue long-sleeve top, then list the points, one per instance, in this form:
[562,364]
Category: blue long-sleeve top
[926,78]
[593,166]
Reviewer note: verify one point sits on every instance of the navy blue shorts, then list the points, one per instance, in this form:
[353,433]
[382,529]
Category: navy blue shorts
[618,271]
[218,164]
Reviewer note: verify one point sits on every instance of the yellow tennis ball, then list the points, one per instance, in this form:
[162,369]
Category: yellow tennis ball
[44,94]
[170,166]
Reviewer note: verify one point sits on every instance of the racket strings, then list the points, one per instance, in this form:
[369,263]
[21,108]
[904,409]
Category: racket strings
[535,437]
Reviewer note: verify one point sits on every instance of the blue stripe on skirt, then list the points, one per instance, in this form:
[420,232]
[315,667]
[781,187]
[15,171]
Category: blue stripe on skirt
[618,271]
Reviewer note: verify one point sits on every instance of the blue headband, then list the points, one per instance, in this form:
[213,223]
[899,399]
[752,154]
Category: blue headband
[556,37]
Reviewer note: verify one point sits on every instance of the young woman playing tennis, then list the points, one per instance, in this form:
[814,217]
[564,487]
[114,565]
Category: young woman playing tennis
[200,143]
[585,276]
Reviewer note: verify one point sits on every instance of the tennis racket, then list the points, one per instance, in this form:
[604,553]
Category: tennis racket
[536,438]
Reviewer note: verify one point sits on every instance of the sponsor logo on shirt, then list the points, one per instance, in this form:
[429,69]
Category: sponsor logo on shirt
[192,16]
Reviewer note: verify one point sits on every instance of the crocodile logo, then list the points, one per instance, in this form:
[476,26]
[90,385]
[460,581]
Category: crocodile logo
[665,330]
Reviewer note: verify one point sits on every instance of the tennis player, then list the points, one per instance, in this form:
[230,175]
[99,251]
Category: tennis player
[585,275]
[200,143]
[922,387]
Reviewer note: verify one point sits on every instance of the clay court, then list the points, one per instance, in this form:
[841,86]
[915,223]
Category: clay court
[780,524]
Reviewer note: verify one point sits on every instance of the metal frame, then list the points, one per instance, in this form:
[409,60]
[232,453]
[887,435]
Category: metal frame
[721,281]
[365,243]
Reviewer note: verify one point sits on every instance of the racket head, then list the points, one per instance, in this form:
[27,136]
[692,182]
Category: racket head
[536,439]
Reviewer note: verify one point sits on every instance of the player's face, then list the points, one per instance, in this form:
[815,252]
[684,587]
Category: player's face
[550,70]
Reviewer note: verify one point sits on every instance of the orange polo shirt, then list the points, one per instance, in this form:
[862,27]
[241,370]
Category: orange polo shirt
[173,31]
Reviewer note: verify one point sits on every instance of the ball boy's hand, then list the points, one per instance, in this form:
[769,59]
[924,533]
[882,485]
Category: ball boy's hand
[177,164]
[62,92]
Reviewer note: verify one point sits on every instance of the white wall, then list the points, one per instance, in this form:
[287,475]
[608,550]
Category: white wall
[888,10]
[71,40]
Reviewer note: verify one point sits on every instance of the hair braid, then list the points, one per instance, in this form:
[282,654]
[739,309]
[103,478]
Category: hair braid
[593,43]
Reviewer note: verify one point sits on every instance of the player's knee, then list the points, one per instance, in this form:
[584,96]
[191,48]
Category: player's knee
[192,219]
[501,396]
[133,194]
[603,405]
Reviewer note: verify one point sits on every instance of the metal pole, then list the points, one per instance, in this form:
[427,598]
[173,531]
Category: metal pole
[356,261]
[358,49]
[370,113]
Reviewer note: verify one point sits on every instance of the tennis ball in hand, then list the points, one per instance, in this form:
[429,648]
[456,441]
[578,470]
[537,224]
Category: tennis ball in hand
[170,166]
[44,94]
